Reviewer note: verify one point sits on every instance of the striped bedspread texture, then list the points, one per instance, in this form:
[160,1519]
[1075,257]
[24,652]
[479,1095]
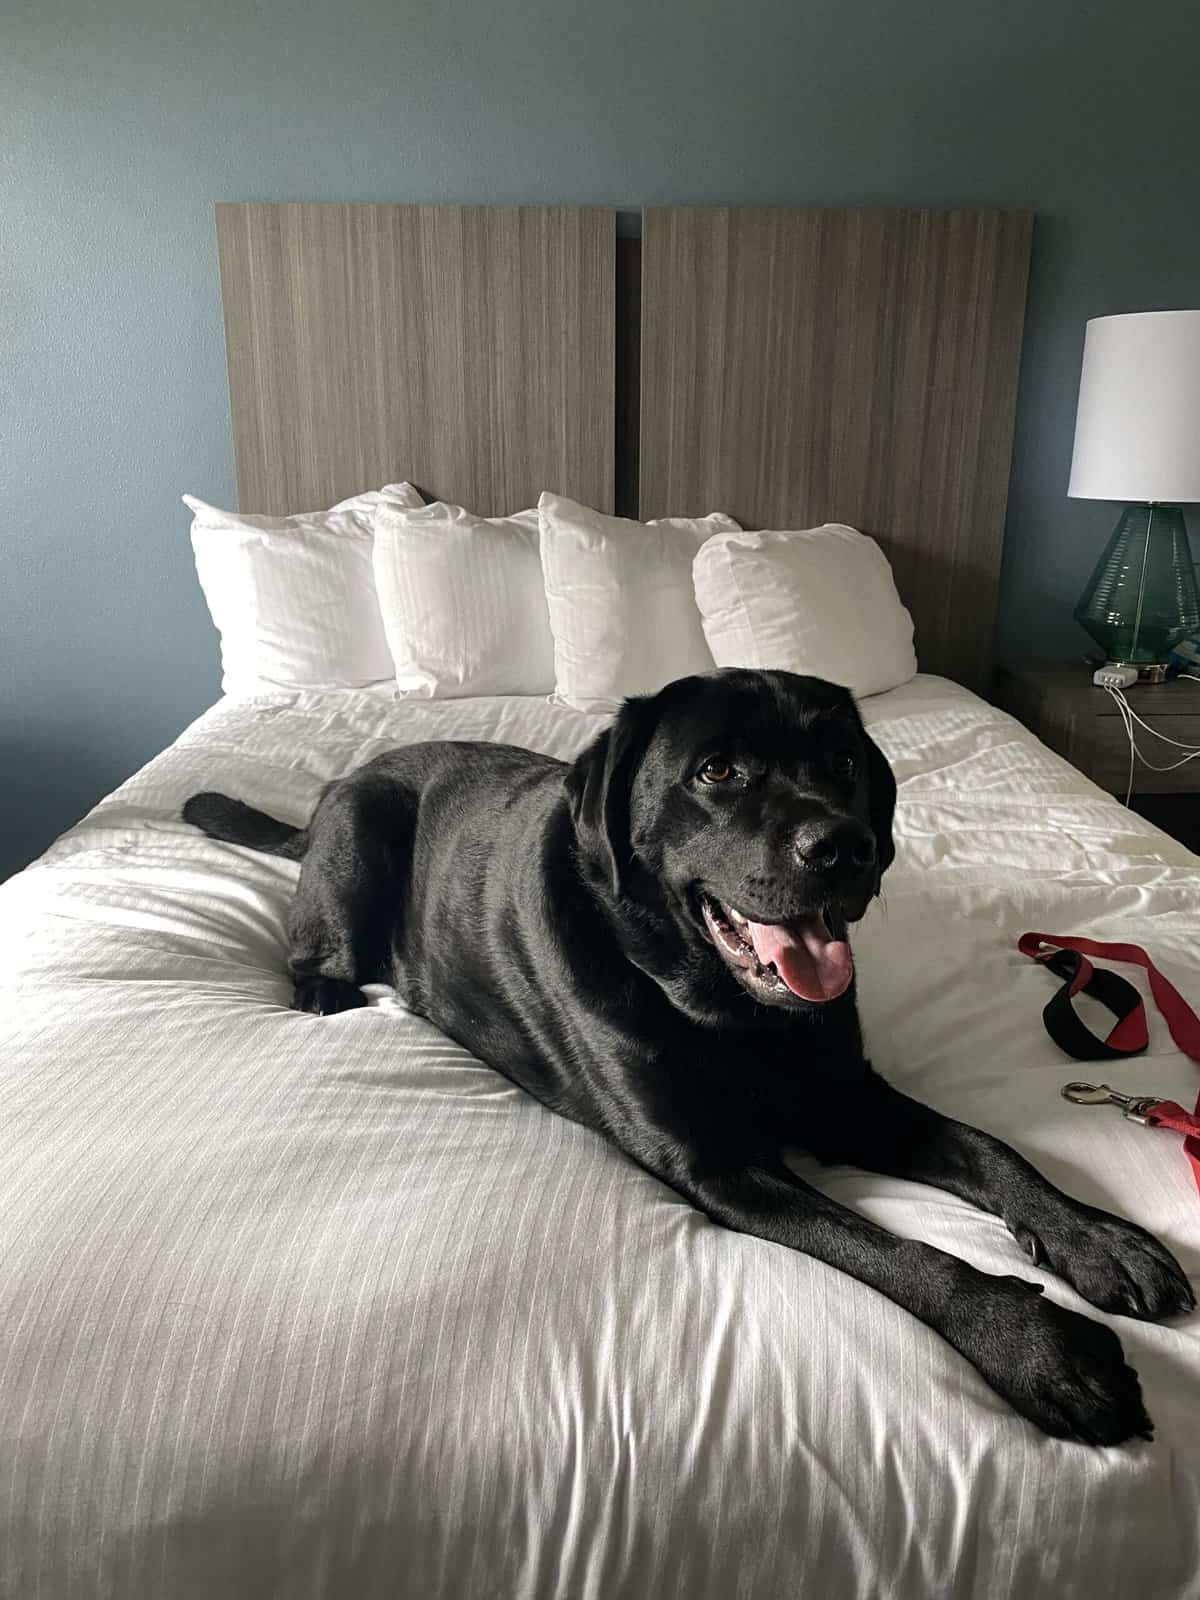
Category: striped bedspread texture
[305,1306]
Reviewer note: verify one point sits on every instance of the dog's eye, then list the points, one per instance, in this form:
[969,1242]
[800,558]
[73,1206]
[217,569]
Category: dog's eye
[716,770]
[845,765]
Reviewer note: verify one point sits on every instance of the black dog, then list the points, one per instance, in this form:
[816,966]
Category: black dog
[653,941]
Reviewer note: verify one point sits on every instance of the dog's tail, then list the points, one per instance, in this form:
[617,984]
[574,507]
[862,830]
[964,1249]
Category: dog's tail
[237,823]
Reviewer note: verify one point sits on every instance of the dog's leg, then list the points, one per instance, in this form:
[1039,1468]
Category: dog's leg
[348,897]
[1064,1372]
[1113,1263]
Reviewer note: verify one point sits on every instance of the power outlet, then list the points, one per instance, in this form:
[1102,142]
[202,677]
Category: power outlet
[1114,677]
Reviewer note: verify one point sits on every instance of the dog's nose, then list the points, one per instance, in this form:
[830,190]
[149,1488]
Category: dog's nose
[836,842]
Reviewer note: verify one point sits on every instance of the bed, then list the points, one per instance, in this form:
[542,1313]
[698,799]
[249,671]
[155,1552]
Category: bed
[304,1307]
[298,1307]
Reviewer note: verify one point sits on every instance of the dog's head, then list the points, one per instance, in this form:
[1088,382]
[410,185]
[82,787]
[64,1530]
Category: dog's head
[752,809]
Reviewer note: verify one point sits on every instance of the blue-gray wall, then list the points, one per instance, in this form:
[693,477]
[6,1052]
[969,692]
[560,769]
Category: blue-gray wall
[122,121]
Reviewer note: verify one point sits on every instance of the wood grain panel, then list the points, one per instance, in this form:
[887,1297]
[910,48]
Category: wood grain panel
[466,348]
[859,366]
[628,362]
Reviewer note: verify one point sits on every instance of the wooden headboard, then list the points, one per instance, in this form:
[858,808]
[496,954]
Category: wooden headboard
[809,366]
[469,349]
[796,367]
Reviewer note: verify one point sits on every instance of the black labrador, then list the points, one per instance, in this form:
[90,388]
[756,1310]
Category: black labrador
[653,941]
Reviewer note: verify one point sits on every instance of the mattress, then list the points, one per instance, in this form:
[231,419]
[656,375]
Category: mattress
[324,1306]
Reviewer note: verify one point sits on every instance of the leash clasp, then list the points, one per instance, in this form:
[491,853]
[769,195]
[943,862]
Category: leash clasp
[1135,1107]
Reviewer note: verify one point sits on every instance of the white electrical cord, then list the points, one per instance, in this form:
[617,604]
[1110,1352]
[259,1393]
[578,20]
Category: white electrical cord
[1128,717]
[1128,726]
[1119,696]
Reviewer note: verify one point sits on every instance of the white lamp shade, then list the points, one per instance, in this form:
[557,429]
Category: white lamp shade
[1137,431]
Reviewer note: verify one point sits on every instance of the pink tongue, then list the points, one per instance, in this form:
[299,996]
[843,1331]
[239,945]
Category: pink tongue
[810,961]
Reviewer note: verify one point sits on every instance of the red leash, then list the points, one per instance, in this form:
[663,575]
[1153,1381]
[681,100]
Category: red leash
[1129,1036]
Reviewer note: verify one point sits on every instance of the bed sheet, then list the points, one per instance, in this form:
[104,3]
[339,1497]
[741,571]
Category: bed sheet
[323,1306]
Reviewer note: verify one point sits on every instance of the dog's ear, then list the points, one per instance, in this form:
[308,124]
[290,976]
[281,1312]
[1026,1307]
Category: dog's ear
[598,789]
[881,803]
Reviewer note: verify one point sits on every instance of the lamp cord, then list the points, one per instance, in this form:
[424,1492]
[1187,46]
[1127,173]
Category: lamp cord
[1128,717]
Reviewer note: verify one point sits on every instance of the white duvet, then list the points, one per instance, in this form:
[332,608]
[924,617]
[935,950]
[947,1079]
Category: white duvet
[296,1306]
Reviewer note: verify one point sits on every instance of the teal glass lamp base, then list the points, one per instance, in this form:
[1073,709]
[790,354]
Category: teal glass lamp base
[1142,598]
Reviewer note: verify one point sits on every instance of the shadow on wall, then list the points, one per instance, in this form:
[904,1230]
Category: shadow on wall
[48,787]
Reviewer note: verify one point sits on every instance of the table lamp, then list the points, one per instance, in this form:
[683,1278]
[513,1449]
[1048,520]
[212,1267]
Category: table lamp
[1137,438]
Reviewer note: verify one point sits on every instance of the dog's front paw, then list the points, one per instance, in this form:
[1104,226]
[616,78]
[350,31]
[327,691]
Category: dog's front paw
[1113,1263]
[324,997]
[1062,1371]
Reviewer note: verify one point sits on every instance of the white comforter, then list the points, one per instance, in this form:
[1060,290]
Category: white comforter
[297,1307]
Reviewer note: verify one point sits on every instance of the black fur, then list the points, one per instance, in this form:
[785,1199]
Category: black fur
[549,918]
[237,823]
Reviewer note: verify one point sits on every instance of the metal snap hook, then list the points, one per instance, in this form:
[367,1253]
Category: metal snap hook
[1134,1107]
[1092,1094]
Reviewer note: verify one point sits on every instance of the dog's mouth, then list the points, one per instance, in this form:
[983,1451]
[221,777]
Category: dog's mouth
[805,958]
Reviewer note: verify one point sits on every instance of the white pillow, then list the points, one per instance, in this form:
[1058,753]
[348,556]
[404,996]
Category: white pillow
[462,600]
[821,601]
[293,598]
[622,609]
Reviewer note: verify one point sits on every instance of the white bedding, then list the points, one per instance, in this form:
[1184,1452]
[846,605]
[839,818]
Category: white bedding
[296,1306]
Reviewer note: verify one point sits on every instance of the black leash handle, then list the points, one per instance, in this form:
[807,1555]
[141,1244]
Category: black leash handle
[1064,1025]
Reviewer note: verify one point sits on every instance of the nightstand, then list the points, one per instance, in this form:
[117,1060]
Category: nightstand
[1058,701]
